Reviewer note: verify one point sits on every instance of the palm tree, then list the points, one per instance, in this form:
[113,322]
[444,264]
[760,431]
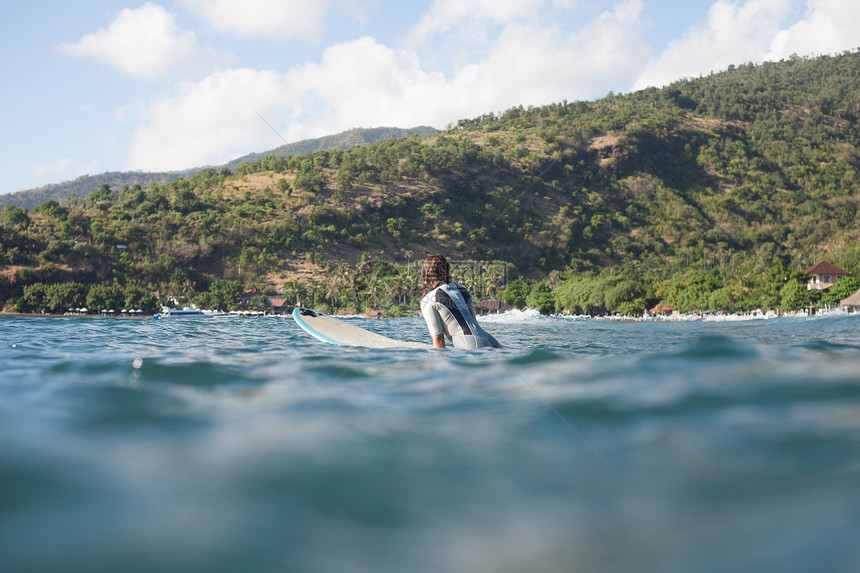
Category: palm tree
[314,288]
[468,275]
[364,263]
[396,287]
[351,279]
[373,286]
[411,283]
[495,276]
[333,286]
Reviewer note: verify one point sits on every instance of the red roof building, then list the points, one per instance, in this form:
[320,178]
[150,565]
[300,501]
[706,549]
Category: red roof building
[281,305]
[661,308]
[251,293]
[824,275]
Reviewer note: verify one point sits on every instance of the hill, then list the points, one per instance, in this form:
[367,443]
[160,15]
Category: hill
[710,193]
[344,140]
[81,186]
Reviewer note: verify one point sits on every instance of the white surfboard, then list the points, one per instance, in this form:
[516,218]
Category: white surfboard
[331,330]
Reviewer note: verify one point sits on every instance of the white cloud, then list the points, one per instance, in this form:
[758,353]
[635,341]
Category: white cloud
[61,168]
[829,26]
[146,43]
[530,65]
[360,83]
[733,34]
[277,19]
[208,121]
[736,33]
[444,15]
[364,83]
[53,167]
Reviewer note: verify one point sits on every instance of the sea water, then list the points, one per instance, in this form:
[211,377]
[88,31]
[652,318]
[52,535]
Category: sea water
[236,444]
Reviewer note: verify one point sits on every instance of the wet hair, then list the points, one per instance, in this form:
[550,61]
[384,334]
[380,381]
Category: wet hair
[435,270]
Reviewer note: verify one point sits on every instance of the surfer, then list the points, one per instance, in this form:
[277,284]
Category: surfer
[447,307]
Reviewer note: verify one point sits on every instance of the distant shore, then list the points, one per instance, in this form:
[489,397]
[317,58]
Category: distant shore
[675,317]
[44,315]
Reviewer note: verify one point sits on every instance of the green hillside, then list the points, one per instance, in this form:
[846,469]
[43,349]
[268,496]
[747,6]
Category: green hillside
[712,193]
[344,140]
[82,186]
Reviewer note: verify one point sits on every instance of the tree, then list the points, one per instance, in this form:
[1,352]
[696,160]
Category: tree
[35,297]
[721,299]
[373,284]
[138,298]
[104,297]
[64,296]
[352,280]
[261,303]
[101,195]
[51,208]
[542,298]
[285,187]
[15,216]
[794,295]
[397,287]
[205,300]
[515,293]
[224,295]
[311,181]
[333,286]
[625,291]
[843,288]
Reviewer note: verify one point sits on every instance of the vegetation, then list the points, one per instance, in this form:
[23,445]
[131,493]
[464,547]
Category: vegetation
[82,186]
[710,194]
[344,140]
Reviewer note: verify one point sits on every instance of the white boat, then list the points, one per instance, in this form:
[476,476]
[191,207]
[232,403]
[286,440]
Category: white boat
[186,312]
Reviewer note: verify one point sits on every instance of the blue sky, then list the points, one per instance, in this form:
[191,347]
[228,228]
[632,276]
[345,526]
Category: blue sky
[96,85]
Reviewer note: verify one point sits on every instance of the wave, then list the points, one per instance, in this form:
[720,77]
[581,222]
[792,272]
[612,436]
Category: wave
[512,316]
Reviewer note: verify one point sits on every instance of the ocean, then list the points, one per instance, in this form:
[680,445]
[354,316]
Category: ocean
[235,444]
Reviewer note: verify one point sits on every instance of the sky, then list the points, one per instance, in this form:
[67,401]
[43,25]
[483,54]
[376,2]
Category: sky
[96,85]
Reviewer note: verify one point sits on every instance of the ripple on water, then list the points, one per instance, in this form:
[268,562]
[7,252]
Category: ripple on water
[244,445]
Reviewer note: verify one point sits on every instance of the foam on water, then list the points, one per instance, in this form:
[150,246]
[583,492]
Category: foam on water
[243,444]
[512,316]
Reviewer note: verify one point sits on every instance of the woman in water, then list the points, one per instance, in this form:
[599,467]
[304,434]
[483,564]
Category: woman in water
[447,307]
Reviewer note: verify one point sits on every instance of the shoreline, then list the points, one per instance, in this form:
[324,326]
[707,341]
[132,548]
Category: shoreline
[117,315]
[46,315]
[680,317]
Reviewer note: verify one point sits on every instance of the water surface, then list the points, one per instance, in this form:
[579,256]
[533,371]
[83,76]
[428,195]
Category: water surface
[244,445]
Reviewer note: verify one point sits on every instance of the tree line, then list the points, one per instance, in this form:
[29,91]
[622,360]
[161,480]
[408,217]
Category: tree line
[396,289]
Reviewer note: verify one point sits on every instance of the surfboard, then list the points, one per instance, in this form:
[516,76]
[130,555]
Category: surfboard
[332,330]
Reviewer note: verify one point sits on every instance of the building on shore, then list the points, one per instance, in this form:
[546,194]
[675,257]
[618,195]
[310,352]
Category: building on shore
[824,275]
[851,303]
[491,306]
[661,309]
[249,295]
[281,306]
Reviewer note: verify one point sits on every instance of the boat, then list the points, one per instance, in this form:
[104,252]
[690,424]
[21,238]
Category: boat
[186,312]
